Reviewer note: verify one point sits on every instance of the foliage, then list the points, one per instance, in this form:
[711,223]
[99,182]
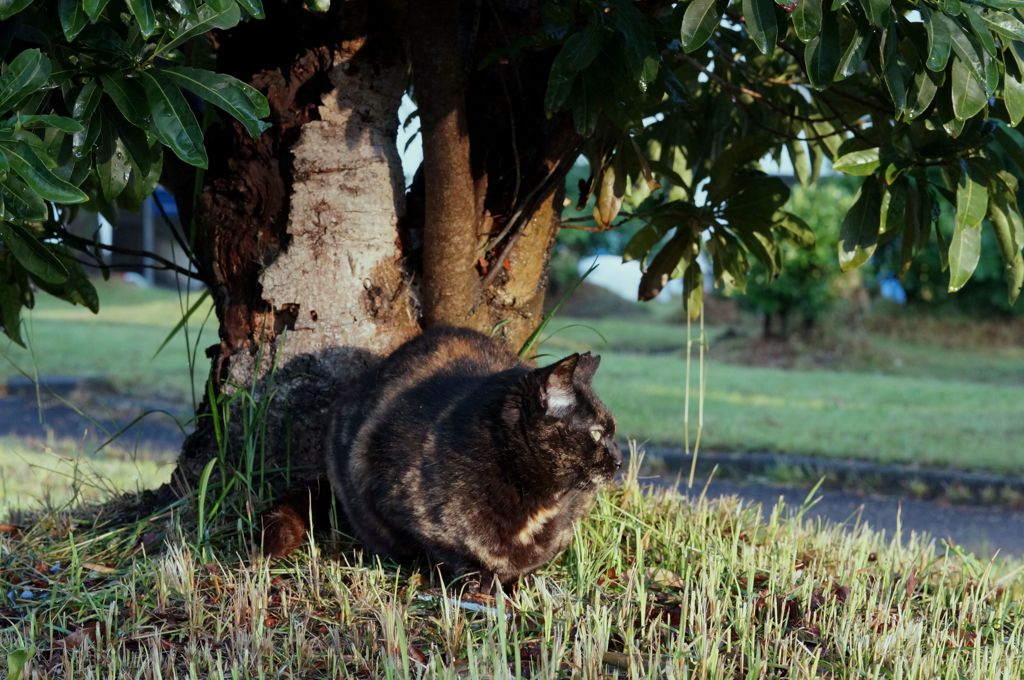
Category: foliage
[653,585]
[805,282]
[120,344]
[680,105]
[844,398]
[91,93]
[677,103]
[925,282]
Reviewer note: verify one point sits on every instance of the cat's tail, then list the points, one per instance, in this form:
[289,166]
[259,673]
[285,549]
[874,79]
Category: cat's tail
[289,520]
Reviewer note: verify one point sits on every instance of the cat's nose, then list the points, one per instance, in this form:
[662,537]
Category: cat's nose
[615,461]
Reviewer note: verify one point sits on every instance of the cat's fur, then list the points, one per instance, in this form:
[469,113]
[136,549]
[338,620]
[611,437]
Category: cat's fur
[456,449]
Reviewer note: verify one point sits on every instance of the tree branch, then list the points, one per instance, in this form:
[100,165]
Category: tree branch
[450,281]
[83,244]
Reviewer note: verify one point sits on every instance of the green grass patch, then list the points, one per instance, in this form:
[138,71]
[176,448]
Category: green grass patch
[118,343]
[652,586]
[57,473]
[927,417]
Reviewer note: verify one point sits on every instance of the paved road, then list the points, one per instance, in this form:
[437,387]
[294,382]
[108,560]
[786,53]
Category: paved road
[982,529]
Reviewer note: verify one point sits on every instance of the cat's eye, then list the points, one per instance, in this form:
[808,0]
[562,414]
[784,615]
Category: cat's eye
[596,435]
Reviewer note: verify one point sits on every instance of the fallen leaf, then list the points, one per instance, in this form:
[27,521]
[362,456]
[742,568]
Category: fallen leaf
[77,638]
[665,578]
[99,568]
[416,655]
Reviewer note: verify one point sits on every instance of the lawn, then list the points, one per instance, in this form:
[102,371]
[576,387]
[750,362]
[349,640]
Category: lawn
[653,585]
[945,400]
[119,343]
[53,475]
[924,411]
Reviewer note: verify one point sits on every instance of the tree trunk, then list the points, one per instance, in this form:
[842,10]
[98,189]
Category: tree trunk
[315,266]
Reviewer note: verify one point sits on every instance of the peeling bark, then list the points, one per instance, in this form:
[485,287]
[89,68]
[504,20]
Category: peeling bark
[314,270]
[301,227]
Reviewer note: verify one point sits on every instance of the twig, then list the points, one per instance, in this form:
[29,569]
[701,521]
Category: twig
[83,244]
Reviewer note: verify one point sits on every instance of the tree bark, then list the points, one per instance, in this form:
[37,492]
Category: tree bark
[315,266]
[300,230]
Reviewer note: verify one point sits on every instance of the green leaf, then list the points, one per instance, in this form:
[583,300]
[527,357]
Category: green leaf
[582,47]
[35,256]
[20,202]
[699,21]
[796,227]
[968,96]
[77,289]
[585,105]
[129,98]
[72,18]
[560,81]
[666,265]
[93,8]
[893,211]
[971,195]
[8,8]
[762,24]
[980,31]
[206,19]
[144,15]
[243,102]
[964,253]
[807,19]
[858,235]
[253,8]
[174,124]
[939,41]
[113,167]
[27,164]
[877,11]
[641,243]
[11,302]
[855,52]
[926,84]
[62,123]
[1004,24]
[142,182]
[801,160]
[965,49]
[894,71]
[821,54]
[862,162]
[1009,227]
[1013,97]
[754,205]
[84,111]
[16,660]
[26,73]
[912,225]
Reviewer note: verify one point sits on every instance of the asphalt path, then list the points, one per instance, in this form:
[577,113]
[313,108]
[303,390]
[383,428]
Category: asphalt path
[985,530]
[982,529]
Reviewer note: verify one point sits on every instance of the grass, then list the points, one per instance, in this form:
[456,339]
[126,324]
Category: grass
[652,586]
[119,343]
[56,473]
[927,412]
[922,392]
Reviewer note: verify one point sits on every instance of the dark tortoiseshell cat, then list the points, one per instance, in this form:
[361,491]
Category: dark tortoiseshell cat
[458,450]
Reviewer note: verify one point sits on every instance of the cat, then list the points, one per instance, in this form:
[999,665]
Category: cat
[455,449]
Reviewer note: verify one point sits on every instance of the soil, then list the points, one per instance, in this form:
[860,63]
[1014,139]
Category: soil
[60,415]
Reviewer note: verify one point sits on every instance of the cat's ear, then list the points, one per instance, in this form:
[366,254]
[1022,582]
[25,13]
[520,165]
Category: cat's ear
[586,367]
[555,388]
